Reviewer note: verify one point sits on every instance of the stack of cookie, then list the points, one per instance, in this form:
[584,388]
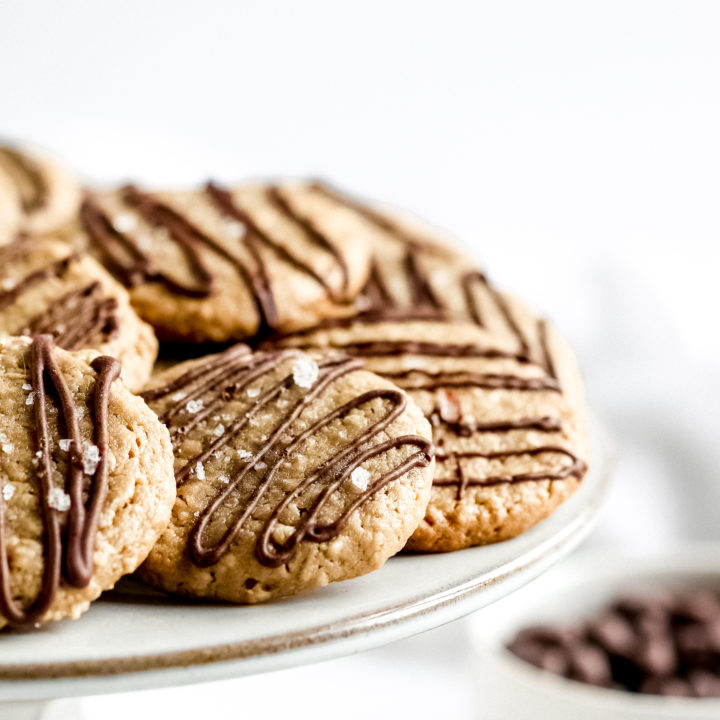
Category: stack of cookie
[335,384]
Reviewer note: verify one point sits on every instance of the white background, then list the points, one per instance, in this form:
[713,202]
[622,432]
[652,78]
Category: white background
[574,146]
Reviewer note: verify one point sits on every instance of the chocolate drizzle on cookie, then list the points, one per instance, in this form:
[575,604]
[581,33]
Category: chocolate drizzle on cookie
[574,467]
[28,179]
[134,265]
[204,391]
[76,318]
[448,412]
[422,298]
[70,512]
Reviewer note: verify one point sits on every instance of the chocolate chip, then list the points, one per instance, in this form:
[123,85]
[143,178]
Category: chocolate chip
[665,644]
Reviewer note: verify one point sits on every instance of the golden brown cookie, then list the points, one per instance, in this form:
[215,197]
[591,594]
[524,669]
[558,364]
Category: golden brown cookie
[223,264]
[86,480]
[46,288]
[510,445]
[294,470]
[37,195]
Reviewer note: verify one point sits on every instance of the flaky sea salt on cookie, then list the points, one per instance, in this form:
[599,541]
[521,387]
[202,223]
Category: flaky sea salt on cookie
[86,480]
[221,264]
[294,470]
[510,440]
[47,288]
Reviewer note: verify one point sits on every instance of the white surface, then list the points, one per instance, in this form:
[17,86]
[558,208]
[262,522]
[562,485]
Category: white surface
[510,688]
[410,594]
[574,146]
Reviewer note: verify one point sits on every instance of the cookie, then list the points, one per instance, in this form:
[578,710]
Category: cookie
[45,288]
[223,264]
[294,470]
[510,444]
[419,273]
[37,195]
[86,475]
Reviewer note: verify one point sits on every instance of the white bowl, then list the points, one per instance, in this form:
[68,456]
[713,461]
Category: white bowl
[510,689]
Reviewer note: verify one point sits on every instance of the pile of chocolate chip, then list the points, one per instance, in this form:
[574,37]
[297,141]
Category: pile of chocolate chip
[659,644]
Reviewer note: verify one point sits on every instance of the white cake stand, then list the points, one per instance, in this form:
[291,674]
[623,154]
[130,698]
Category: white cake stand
[135,639]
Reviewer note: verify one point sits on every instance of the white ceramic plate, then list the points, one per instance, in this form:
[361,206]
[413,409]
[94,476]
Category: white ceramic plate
[135,639]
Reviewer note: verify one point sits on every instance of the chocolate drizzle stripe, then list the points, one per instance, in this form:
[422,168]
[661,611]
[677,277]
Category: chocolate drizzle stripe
[380,220]
[401,347]
[55,269]
[74,560]
[541,424]
[280,201]
[545,349]
[502,305]
[487,381]
[77,317]
[576,468]
[28,178]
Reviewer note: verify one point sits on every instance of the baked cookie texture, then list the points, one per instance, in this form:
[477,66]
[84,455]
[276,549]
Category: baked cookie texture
[223,264]
[510,445]
[46,288]
[37,194]
[87,480]
[499,384]
[294,470]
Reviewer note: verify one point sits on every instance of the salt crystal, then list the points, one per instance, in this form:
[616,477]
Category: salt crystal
[200,471]
[8,284]
[27,386]
[64,444]
[219,430]
[261,465]
[178,396]
[194,406]
[253,392]
[8,491]
[224,479]
[305,371]
[360,478]
[124,222]
[58,499]
[30,398]
[235,229]
[90,459]
[7,447]
[244,454]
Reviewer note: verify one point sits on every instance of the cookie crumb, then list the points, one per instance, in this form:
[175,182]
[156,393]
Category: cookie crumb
[194,406]
[360,478]
[305,371]
[58,499]
[90,459]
